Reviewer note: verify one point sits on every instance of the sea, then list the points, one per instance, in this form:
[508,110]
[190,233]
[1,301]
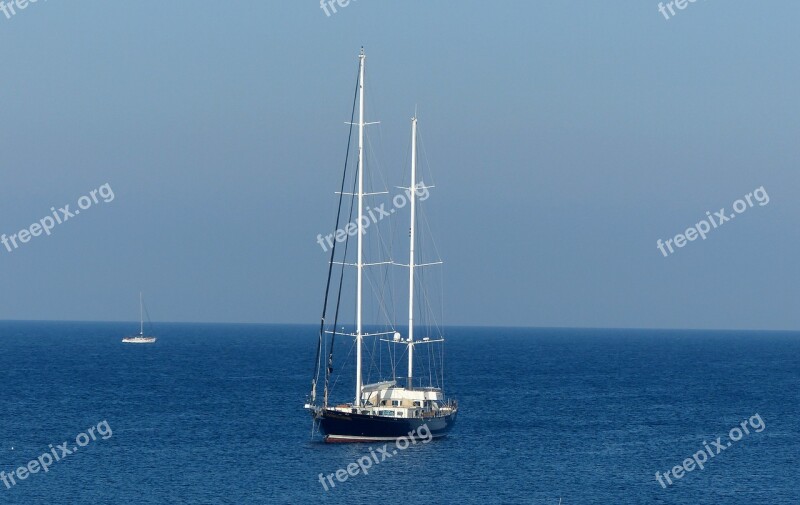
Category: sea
[213,414]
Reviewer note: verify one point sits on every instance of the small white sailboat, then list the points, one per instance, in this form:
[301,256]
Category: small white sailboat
[140,338]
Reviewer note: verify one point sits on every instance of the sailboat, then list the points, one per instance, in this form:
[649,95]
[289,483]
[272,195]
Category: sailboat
[384,410]
[140,338]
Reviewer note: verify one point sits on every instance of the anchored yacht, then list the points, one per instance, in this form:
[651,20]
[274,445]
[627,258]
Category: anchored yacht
[387,409]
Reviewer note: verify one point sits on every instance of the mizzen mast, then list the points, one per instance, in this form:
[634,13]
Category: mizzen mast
[413,198]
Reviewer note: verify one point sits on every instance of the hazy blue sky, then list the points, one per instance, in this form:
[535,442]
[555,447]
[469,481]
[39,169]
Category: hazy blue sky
[566,138]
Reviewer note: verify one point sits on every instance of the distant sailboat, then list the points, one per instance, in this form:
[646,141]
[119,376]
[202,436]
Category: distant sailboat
[140,338]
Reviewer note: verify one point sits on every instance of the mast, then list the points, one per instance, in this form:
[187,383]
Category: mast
[141,316]
[413,198]
[359,263]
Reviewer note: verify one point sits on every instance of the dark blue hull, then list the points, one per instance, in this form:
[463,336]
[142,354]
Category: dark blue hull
[347,427]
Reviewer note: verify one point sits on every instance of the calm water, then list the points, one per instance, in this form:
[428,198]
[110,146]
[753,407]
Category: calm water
[212,414]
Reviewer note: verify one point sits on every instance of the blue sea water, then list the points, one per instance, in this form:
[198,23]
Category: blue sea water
[213,414]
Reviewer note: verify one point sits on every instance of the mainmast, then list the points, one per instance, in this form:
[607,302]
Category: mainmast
[141,316]
[413,198]
[359,263]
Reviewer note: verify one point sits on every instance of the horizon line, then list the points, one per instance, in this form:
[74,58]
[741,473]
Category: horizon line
[626,328]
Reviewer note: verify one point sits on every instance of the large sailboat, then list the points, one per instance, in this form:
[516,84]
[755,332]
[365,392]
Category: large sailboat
[141,338]
[386,409]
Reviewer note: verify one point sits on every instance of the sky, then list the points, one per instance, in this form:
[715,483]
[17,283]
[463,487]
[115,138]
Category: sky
[566,138]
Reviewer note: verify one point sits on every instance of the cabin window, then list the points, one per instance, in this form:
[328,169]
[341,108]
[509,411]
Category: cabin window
[395,403]
[416,404]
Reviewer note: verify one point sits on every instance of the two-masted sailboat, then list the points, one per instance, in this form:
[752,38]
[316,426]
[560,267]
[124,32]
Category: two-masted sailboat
[141,338]
[384,410]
